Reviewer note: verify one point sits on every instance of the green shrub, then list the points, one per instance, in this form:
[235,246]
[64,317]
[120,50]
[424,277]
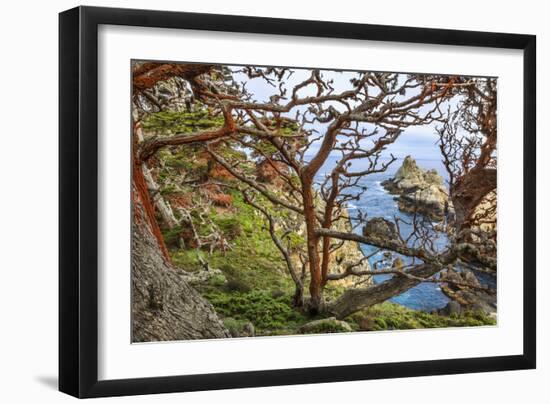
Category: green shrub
[236,285]
[171,236]
[390,316]
[234,326]
[217,280]
[257,307]
[169,189]
[230,226]
[187,259]
[166,122]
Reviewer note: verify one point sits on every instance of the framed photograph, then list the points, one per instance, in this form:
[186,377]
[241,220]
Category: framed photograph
[250,202]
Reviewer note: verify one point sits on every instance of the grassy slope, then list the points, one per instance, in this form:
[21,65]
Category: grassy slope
[255,287]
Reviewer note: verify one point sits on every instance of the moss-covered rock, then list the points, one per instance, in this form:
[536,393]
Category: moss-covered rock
[324,326]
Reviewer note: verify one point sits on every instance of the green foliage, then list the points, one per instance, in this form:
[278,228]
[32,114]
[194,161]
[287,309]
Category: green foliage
[390,316]
[181,160]
[228,152]
[257,306]
[295,240]
[217,280]
[171,236]
[230,226]
[255,286]
[187,259]
[285,126]
[264,148]
[233,325]
[169,189]
[333,291]
[169,122]
[236,285]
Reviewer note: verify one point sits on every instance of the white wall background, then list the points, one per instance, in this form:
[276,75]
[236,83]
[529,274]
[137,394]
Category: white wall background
[28,199]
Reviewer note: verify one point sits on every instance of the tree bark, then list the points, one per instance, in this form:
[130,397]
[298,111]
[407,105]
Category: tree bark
[164,209]
[469,191]
[146,75]
[162,206]
[312,244]
[164,306]
[354,300]
[327,224]
[141,198]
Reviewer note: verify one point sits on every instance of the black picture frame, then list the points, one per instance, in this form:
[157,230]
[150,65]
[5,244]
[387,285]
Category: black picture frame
[78,201]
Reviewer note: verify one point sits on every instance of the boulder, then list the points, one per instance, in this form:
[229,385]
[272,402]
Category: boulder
[325,325]
[419,191]
[409,175]
[239,328]
[380,228]
[431,201]
[469,299]
[204,276]
[451,308]
[248,330]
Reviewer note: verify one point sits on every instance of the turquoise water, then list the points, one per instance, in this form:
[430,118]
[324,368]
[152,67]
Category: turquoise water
[377,202]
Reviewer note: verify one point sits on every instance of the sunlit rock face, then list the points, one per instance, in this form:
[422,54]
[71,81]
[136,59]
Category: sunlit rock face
[419,191]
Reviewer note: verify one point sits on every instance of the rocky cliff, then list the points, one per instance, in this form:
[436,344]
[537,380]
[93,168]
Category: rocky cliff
[418,190]
[349,254]
[464,298]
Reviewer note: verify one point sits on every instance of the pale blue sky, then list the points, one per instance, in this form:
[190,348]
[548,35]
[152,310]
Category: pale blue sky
[419,141]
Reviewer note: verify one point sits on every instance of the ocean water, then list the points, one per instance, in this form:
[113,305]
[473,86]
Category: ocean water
[377,202]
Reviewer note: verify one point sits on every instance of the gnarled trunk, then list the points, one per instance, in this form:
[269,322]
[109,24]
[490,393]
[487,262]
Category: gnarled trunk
[164,306]
[312,243]
[163,207]
[469,191]
[354,300]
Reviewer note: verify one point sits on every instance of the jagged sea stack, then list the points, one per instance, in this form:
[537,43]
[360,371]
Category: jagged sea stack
[420,191]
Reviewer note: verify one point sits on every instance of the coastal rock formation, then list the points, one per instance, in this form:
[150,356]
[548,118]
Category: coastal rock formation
[380,228]
[349,254]
[463,298]
[419,190]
